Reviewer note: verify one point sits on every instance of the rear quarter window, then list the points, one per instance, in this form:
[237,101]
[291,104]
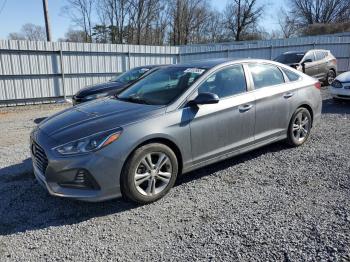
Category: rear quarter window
[291,75]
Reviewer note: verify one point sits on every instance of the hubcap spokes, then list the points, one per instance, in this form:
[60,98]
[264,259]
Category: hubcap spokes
[153,173]
[301,127]
[331,77]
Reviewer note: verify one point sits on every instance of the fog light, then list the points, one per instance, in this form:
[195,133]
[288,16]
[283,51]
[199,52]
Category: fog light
[82,180]
[80,177]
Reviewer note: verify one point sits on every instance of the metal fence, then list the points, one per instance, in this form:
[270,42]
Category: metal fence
[33,72]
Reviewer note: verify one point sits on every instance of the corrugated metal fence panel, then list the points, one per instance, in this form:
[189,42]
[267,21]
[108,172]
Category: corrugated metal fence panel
[32,70]
[269,49]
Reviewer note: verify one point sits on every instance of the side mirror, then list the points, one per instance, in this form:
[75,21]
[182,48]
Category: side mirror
[205,99]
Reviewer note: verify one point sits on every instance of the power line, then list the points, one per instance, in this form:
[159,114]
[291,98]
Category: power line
[3,6]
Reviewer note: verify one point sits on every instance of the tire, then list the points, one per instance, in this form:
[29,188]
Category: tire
[331,75]
[299,127]
[143,179]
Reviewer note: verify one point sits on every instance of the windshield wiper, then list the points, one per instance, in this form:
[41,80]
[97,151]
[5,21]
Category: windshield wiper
[133,99]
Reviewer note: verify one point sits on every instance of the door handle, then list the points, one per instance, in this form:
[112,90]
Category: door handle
[288,95]
[245,108]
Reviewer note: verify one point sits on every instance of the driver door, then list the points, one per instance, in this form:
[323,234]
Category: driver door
[220,128]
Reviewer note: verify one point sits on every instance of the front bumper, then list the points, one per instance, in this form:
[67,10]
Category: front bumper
[341,93]
[61,173]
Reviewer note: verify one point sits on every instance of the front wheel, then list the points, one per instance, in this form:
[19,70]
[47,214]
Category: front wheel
[299,127]
[149,173]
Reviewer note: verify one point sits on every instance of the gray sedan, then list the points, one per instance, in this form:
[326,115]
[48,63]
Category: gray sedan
[176,120]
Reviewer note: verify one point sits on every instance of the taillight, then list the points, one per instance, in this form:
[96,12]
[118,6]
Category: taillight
[334,61]
[317,85]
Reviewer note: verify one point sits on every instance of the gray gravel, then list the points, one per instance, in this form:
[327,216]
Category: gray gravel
[275,203]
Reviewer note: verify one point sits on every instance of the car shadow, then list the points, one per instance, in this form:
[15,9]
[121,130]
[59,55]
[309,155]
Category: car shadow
[19,168]
[25,205]
[331,106]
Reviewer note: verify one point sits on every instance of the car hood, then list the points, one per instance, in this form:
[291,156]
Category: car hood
[96,116]
[99,88]
[344,77]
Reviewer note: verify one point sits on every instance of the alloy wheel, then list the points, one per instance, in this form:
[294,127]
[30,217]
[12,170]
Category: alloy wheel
[301,127]
[330,77]
[153,173]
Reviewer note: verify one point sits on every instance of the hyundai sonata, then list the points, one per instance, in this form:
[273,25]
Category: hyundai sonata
[178,119]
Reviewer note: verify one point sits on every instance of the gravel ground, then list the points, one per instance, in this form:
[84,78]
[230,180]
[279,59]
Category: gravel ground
[275,203]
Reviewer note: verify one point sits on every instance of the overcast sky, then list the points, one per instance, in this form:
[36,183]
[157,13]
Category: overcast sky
[15,13]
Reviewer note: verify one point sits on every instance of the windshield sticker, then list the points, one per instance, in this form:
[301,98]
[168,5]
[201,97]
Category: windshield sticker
[194,70]
[144,69]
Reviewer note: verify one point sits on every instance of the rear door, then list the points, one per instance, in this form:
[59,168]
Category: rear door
[272,102]
[311,68]
[219,128]
[322,63]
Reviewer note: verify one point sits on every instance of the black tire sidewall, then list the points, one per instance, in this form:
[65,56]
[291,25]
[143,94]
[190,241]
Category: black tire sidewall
[290,137]
[326,82]
[128,187]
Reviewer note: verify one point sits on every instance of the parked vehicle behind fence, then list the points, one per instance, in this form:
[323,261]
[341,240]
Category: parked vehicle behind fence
[114,86]
[178,119]
[318,63]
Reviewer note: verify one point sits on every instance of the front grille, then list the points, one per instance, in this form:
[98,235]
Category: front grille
[40,160]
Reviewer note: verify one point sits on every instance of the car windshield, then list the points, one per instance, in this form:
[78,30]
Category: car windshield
[130,75]
[291,58]
[163,86]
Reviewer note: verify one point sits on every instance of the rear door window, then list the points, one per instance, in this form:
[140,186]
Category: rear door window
[320,55]
[266,75]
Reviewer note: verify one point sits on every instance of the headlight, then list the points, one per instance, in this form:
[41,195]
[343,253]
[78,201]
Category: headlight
[89,143]
[337,84]
[96,96]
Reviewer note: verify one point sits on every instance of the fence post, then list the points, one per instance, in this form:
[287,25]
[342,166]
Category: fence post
[129,60]
[227,53]
[62,74]
[348,69]
[271,49]
[179,58]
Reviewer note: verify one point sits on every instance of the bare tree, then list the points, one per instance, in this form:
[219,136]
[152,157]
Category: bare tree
[143,14]
[77,36]
[81,13]
[310,12]
[187,18]
[242,16]
[288,24]
[330,28]
[116,13]
[29,32]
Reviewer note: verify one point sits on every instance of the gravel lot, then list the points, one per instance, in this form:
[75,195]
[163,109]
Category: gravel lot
[275,203]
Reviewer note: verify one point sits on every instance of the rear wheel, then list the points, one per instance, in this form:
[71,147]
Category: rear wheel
[330,77]
[299,127]
[149,173]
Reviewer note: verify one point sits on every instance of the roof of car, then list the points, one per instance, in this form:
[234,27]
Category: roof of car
[149,66]
[294,52]
[207,64]
[303,52]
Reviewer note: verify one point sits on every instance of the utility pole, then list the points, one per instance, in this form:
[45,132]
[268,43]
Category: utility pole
[47,21]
